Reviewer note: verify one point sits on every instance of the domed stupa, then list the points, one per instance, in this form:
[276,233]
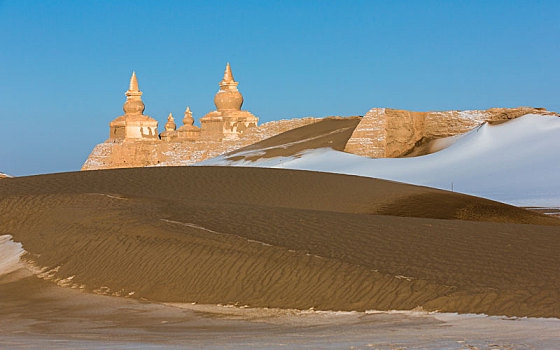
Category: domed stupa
[188,131]
[228,121]
[133,125]
[170,127]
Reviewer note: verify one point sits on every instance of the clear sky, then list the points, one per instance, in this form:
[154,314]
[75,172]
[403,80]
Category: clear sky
[65,65]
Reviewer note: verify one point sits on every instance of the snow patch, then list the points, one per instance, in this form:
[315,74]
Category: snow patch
[517,162]
[10,254]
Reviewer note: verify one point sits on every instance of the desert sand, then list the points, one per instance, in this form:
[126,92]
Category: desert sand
[515,162]
[37,314]
[332,132]
[555,212]
[283,239]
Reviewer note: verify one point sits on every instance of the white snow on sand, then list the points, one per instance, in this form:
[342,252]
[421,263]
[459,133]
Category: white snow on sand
[517,162]
[10,253]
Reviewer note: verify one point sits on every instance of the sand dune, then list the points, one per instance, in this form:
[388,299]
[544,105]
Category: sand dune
[515,162]
[332,132]
[36,314]
[547,211]
[276,188]
[279,238]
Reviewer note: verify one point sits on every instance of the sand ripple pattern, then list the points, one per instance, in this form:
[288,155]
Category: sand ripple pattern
[147,236]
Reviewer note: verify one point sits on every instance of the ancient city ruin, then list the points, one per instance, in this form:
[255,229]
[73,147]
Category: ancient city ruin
[134,139]
[227,122]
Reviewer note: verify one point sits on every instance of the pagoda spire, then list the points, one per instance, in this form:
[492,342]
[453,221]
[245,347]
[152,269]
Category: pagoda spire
[227,83]
[228,76]
[133,83]
[133,104]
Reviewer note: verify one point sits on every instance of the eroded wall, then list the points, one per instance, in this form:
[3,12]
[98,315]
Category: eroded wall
[389,133]
[382,133]
[127,154]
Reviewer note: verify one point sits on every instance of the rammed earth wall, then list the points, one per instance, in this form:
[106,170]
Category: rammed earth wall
[128,154]
[382,133]
[389,133]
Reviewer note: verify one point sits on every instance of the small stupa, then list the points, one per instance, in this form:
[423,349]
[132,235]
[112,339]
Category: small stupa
[228,122]
[188,131]
[133,125]
[170,127]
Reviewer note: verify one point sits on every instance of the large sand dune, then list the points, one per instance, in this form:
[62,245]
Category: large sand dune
[515,162]
[279,238]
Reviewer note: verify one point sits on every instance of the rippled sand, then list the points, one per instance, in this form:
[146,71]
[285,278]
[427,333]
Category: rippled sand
[44,316]
[268,238]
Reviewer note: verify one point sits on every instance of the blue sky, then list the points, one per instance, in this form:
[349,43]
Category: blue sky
[65,65]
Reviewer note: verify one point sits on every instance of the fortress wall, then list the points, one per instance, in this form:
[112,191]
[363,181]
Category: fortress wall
[389,133]
[403,130]
[449,123]
[382,133]
[128,154]
[369,137]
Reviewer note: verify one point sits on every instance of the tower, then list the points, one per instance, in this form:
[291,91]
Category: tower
[228,121]
[133,125]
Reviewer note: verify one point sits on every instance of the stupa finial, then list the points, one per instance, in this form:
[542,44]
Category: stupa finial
[228,97]
[227,83]
[133,83]
[133,104]
[228,76]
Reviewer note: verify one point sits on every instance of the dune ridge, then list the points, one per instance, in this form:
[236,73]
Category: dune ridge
[276,188]
[287,239]
[514,162]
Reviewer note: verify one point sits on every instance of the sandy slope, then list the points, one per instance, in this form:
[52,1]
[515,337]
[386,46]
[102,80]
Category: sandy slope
[278,238]
[332,132]
[515,162]
[35,314]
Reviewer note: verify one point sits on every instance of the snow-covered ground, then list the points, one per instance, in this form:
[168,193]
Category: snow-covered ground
[517,162]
